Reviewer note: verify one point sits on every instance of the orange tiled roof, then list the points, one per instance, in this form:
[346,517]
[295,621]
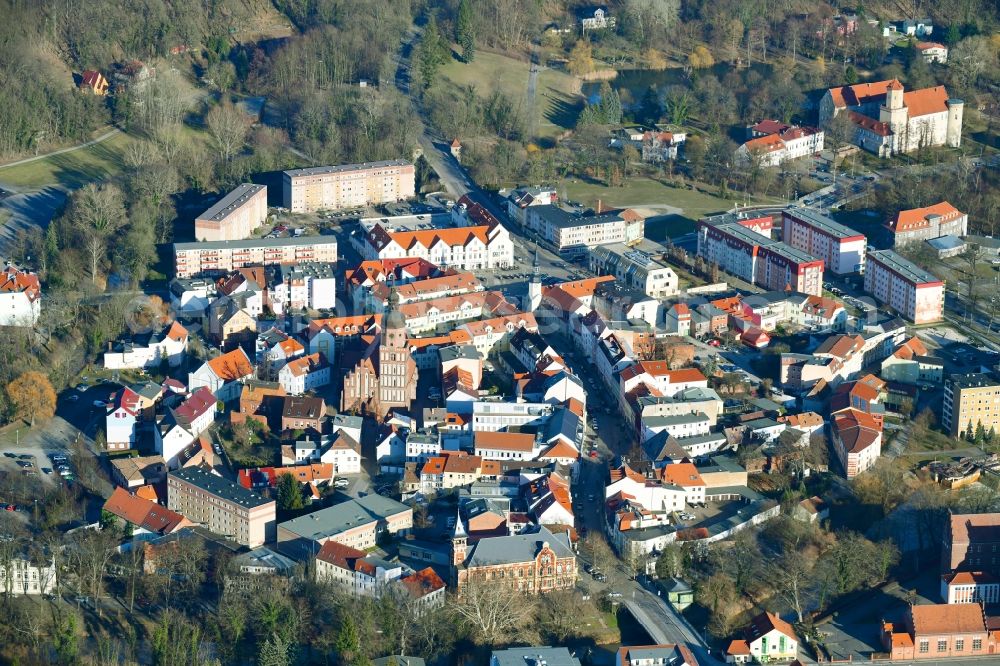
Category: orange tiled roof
[176,332]
[511,441]
[453,237]
[916,218]
[560,450]
[768,144]
[947,619]
[231,366]
[682,474]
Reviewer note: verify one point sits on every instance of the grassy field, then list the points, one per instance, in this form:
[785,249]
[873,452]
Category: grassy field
[71,169]
[646,193]
[556,102]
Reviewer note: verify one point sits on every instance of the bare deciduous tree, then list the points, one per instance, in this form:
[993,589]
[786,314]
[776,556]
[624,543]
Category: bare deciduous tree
[229,127]
[493,610]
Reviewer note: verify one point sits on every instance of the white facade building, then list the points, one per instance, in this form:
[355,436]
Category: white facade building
[20,297]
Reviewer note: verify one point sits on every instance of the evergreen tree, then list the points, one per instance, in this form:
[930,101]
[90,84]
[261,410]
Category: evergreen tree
[611,105]
[275,651]
[289,494]
[347,643]
[980,433]
[465,32]
[432,52]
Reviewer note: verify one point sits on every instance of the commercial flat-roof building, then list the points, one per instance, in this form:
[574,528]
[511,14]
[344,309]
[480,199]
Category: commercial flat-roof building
[347,185]
[218,257]
[234,216]
[902,285]
[635,268]
[573,233]
[221,505]
[355,523]
[842,249]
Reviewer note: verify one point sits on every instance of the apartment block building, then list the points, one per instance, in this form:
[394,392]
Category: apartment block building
[222,506]
[218,257]
[235,216]
[737,249]
[842,249]
[635,269]
[902,285]
[970,399]
[347,185]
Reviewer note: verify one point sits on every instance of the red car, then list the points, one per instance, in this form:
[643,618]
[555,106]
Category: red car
[593,454]
[714,343]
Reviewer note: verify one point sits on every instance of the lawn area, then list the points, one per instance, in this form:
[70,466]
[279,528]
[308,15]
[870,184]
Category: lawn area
[681,207]
[71,169]
[556,103]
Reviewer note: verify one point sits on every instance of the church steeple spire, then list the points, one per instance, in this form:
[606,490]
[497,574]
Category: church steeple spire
[535,286]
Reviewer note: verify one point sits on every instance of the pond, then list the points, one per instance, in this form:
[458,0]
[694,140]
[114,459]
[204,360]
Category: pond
[632,84]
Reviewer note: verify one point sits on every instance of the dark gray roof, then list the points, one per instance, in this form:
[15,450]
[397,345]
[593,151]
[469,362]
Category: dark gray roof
[232,202]
[343,168]
[341,517]
[220,487]
[562,422]
[256,242]
[518,548]
[534,656]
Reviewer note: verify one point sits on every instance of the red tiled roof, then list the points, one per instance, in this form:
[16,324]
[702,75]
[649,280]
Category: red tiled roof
[422,583]
[768,622]
[197,404]
[339,555]
[13,279]
[144,513]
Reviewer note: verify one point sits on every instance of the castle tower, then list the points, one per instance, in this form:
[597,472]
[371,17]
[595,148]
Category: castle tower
[535,286]
[955,110]
[894,113]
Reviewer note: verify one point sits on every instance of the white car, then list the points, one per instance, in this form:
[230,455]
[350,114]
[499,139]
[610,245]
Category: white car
[341,483]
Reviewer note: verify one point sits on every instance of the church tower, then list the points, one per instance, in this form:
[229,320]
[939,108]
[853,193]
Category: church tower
[397,371]
[459,541]
[535,286]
